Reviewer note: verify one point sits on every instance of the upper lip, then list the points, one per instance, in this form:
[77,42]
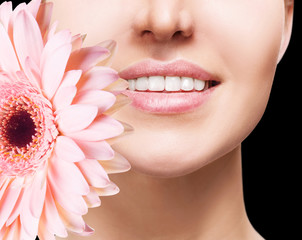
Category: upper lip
[150,67]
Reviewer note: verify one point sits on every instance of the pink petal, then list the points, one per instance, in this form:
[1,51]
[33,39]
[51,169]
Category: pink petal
[5,13]
[44,233]
[96,150]
[56,41]
[117,87]
[71,78]
[111,46]
[2,232]
[17,209]
[44,16]
[67,150]
[67,177]
[77,42]
[110,190]
[29,223]
[76,117]
[51,31]
[54,68]
[51,220]
[121,101]
[38,190]
[4,183]
[33,7]
[103,100]
[94,173]
[73,222]
[67,90]
[117,165]
[103,127]
[92,199]
[70,202]
[32,72]
[9,62]
[12,232]
[86,58]
[27,38]
[9,198]
[64,97]
[97,78]
[88,231]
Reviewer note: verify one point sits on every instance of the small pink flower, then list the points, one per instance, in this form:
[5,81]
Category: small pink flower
[55,106]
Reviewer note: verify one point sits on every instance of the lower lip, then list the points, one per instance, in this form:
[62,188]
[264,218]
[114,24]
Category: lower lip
[168,103]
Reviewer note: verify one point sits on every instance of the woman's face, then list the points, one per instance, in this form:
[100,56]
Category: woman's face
[236,45]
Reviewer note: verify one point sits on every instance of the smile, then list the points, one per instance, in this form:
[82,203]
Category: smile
[168,88]
[167,84]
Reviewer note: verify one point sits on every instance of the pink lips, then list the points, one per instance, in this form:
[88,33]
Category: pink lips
[167,102]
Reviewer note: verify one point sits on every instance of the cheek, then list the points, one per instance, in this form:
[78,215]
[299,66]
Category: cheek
[245,34]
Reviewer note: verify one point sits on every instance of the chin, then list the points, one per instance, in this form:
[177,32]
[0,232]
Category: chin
[165,161]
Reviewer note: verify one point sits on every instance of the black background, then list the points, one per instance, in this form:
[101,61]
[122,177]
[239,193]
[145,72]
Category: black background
[271,154]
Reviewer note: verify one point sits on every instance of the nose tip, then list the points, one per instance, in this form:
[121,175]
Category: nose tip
[163,23]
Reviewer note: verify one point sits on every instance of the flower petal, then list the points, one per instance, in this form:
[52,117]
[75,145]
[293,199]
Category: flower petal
[17,209]
[67,150]
[110,190]
[29,223]
[44,16]
[9,62]
[38,190]
[33,7]
[54,68]
[66,176]
[32,72]
[27,38]
[92,199]
[117,165]
[5,13]
[103,127]
[50,219]
[12,232]
[44,233]
[64,97]
[73,222]
[121,101]
[103,100]
[100,150]
[112,47]
[97,78]
[94,173]
[76,117]
[9,199]
[71,78]
[86,58]
[77,42]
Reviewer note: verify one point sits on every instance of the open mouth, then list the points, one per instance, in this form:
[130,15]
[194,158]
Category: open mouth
[168,88]
[170,84]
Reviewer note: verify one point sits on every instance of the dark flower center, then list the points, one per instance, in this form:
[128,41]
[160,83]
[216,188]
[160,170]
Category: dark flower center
[20,129]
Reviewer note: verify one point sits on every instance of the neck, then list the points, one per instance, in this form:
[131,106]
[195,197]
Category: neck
[207,204]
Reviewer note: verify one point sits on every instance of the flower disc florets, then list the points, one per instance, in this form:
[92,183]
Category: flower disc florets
[27,128]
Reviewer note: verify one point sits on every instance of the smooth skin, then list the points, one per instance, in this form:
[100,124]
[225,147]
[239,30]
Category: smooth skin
[185,182]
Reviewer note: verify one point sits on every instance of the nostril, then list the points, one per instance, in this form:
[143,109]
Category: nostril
[177,34]
[146,33]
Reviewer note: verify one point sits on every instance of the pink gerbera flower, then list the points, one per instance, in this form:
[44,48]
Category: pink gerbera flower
[55,107]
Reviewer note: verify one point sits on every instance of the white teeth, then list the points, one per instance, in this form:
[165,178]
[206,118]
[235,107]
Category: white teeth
[199,85]
[172,83]
[168,83]
[141,84]
[156,83]
[187,84]
[131,84]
